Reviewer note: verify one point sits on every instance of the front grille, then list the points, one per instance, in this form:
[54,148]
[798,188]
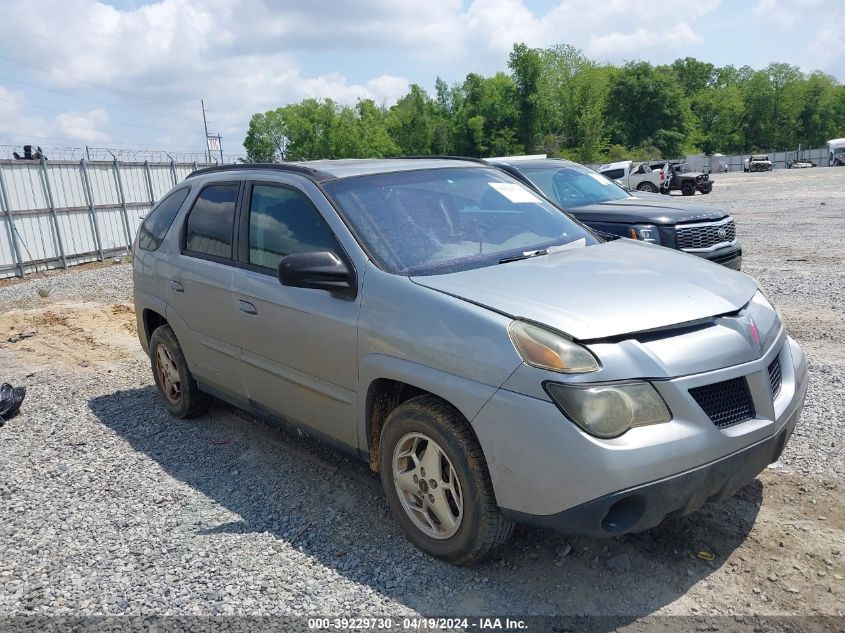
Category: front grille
[775,377]
[705,235]
[725,403]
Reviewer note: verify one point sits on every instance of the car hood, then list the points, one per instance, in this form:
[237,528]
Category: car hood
[645,207]
[594,292]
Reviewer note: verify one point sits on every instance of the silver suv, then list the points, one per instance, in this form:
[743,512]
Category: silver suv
[490,357]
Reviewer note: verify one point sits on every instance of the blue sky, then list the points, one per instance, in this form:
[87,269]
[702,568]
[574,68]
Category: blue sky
[129,73]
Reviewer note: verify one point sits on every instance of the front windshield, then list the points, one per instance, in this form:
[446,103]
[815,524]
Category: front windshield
[572,186]
[433,221]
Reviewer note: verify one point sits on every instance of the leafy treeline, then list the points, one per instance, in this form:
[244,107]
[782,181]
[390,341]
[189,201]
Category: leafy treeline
[557,101]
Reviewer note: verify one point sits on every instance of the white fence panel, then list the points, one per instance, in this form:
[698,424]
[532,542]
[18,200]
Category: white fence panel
[89,217]
[162,177]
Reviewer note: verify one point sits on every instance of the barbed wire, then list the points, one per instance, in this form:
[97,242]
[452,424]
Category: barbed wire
[52,152]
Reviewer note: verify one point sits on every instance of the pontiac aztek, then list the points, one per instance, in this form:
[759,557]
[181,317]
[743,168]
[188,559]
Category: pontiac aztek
[491,358]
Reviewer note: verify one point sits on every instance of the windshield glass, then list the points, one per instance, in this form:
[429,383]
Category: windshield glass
[442,220]
[572,186]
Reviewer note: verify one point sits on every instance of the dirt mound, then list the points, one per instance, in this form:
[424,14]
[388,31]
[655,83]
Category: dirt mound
[77,334]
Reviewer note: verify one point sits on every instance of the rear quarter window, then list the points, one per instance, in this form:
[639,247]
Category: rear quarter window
[210,224]
[159,220]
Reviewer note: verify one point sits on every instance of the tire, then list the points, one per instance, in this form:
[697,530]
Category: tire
[647,187]
[705,189]
[430,429]
[688,189]
[169,365]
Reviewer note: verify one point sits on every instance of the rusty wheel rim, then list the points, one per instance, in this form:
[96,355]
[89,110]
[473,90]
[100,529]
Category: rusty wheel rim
[168,375]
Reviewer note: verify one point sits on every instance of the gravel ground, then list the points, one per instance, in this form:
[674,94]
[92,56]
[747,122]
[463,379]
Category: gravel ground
[111,507]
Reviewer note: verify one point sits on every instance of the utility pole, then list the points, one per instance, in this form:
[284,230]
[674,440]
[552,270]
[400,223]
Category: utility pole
[205,125]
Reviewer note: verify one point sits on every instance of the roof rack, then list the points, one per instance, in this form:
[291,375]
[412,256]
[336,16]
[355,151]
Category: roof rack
[471,159]
[313,174]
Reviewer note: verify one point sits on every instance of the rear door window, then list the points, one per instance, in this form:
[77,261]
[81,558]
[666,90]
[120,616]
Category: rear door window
[211,221]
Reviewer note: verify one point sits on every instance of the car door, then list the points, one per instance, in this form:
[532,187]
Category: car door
[299,345]
[199,287]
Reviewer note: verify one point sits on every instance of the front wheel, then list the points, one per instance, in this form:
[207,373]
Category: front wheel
[647,187]
[705,189]
[436,481]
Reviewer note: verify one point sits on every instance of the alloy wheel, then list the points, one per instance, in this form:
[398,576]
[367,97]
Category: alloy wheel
[427,485]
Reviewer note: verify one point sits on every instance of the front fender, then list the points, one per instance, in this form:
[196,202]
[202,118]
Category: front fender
[467,396]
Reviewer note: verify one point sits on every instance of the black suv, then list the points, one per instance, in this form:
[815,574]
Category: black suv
[613,212]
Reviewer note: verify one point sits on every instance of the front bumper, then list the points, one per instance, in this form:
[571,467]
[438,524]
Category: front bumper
[546,471]
[730,256]
[642,507]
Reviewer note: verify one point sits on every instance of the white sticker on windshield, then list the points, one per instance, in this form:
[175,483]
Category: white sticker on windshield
[514,192]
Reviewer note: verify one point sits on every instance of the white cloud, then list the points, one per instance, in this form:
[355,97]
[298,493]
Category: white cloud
[84,126]
[785,13]
[634,42]
[16,122]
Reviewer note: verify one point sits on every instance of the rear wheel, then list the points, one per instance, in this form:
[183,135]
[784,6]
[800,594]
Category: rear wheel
[647,187]
[436,481]
[176,386]
[688,189]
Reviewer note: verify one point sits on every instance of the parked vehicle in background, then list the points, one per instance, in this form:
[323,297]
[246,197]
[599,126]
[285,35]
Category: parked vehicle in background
[681,178]
[757,162]
[800,163]
[633,175]
[605,207]
[487,354]
[836,152]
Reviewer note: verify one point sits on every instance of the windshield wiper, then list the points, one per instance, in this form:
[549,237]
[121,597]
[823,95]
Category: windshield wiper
[559,248]
[525,255]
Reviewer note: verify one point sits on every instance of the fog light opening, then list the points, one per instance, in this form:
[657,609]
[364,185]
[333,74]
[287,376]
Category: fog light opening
[624,514]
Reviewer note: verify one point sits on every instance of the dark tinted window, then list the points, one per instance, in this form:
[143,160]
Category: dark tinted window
[282,222]
[210,221]
[158,221]
[613,173]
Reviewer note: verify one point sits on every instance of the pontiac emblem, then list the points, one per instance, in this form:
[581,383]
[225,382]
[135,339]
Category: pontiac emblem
[754,332]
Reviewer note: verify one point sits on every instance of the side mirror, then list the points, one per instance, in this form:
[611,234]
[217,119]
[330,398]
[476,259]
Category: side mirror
[322,270]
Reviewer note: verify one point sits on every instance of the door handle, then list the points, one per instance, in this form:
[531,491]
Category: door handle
[247,307]
[177,286]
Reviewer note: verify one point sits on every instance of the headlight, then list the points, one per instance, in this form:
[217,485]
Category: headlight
[647,233]
[547,350]
[609,410]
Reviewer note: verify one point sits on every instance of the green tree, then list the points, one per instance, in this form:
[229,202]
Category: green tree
[410,123]
[525,65]
[646,106]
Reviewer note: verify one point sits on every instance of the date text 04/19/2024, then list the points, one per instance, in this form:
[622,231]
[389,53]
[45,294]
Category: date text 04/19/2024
[421,623]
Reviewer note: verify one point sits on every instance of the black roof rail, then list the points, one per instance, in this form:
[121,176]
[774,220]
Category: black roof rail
[313,174]
[446,157]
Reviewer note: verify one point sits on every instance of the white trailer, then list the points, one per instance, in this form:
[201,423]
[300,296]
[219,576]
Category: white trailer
[836,151]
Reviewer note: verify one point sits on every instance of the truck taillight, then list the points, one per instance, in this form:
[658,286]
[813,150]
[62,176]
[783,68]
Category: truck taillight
[662,175]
